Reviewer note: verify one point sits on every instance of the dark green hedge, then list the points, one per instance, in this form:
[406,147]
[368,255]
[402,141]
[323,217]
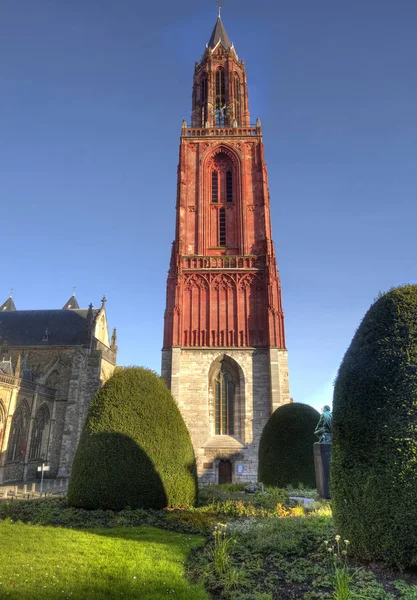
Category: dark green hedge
[286,447]
[374,462]
[135,449]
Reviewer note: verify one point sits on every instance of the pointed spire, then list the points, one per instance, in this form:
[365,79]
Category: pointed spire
[18,365]
[9,305]
[114,340]
[72,303]
[219,34]
[90,322]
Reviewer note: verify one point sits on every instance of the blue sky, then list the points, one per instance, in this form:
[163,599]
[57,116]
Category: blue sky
[92,95]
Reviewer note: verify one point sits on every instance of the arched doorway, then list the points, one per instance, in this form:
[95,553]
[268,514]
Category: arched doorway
[225,471]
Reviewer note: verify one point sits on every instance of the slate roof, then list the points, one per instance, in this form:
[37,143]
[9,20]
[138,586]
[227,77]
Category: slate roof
[219,35]
[71,303]
[8,305]
[45,327]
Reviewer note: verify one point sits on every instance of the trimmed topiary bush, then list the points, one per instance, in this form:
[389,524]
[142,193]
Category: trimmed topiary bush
[374,458]
[286,446]
[135,449]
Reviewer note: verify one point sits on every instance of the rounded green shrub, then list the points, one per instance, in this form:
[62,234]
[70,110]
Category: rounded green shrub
[286,446]
[374,454]
[135,449]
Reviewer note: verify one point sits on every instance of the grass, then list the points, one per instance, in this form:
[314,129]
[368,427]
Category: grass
[268,550]
[129,563]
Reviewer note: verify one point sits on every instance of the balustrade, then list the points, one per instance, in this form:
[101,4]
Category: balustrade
[222,262]
[27,385]
[108,353]
[249,131]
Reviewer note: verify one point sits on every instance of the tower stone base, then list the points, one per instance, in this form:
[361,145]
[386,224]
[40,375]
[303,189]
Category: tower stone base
[261,377]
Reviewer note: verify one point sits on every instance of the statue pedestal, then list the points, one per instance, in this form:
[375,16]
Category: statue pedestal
[322,453]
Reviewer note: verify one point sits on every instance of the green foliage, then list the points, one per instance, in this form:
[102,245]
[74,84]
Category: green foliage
[231,500]
[135,449]
[56,512]
[374,455]
[286,446]
[197,520]
[221,549]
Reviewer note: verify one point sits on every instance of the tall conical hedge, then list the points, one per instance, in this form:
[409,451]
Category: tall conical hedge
[286,446]
[135,449]
[374,460]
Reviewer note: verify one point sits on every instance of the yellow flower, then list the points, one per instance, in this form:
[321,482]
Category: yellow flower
[337,538]
[347,542]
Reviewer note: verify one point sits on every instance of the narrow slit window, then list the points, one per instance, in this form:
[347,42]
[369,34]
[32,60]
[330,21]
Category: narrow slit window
[204,90]
[220,98]
[229,187]
[214,186]
[222,227]
[237,99]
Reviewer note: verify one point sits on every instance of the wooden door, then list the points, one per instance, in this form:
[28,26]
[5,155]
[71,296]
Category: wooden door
[225,471]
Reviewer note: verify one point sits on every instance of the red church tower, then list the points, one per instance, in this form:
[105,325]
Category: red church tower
[224,354]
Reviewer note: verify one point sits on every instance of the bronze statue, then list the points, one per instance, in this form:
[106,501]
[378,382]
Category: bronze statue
[324,426]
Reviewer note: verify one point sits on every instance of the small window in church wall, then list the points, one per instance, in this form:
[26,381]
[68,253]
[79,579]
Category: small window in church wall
[224,403]
[215,186]
[222,227]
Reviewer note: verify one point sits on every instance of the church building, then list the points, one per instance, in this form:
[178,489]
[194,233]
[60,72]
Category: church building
[51,364]
[224,355]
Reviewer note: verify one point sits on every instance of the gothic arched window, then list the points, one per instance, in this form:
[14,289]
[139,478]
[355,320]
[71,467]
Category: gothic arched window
[39,439]
[220,98]
[224,402]
[18,433]
[222,179]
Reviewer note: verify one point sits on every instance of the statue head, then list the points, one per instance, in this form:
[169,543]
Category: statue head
[325,408]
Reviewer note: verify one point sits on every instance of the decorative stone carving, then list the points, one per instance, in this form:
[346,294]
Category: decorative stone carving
[195,281]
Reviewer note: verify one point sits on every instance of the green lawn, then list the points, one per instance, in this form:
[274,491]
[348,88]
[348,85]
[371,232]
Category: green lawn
[130,563]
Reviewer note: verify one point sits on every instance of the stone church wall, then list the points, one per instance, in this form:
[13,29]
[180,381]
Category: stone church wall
[71,376]
[187,370]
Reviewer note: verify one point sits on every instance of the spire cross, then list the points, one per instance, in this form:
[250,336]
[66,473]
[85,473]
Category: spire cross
[11,293]
[219,6]
[73,290]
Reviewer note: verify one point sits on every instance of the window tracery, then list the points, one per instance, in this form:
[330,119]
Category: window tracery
[39,433]
[224,402]
[18,433]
